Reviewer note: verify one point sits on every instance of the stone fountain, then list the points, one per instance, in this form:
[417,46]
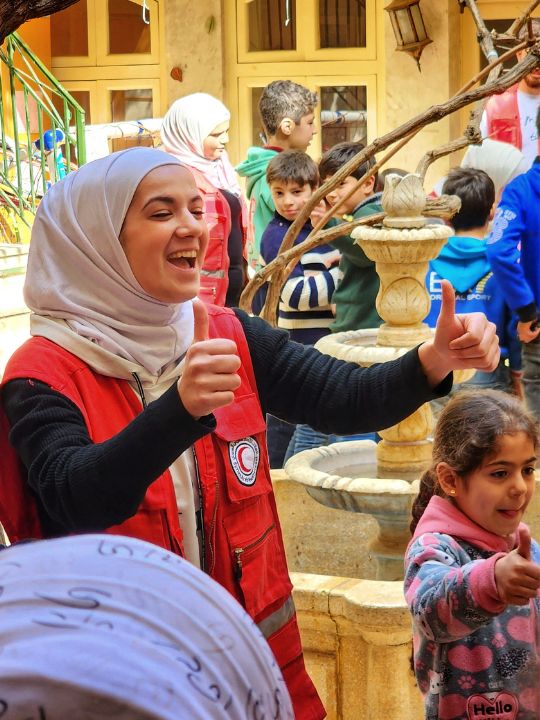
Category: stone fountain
[364,477]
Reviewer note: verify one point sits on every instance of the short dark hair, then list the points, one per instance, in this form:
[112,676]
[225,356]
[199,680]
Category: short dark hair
[476,191]
[337,156]
[284,98]
[538,121]
[293,166]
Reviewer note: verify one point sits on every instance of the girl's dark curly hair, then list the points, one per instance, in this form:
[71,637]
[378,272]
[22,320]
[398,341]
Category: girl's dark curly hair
[468,432]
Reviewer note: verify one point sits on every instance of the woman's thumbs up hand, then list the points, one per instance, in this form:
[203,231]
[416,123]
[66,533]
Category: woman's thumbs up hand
[210,374]
[460,342]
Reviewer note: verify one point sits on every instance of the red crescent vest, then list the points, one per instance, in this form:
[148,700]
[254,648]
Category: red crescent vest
[243,543]
[503,122]
[214,273]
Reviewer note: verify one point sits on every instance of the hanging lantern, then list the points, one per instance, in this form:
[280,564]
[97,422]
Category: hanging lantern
[408,26]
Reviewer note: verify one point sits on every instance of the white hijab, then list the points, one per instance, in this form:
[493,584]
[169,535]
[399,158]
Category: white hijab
[185,126]
[97,626]
[501,161]
[78,271]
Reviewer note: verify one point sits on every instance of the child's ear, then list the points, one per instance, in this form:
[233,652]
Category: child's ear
[447,478]
[492,212]
[368,185]
[287,125]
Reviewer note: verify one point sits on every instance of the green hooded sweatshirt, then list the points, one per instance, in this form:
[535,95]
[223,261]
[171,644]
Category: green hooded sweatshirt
[261,205]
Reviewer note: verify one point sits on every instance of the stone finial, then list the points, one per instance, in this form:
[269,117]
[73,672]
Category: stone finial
[403,201]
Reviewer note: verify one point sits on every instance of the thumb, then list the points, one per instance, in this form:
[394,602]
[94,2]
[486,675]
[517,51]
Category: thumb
[524,545]
[200,321]
[448,302]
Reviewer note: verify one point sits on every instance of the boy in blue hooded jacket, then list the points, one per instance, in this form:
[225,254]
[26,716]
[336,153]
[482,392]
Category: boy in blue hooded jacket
[464,262]
[514,254]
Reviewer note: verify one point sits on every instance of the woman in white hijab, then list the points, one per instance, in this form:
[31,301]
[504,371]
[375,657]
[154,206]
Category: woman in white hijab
[501,161]
[134,410]
[195,130]
[94,626]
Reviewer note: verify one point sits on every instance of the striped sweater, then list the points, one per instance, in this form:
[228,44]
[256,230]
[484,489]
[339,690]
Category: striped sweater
[305,301]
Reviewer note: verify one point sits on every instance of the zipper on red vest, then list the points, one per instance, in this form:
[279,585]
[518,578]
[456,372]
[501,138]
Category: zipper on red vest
[200,513]
[238,568]
[140,389]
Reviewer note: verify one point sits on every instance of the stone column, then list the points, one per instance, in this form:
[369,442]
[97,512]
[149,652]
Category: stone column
[401,250]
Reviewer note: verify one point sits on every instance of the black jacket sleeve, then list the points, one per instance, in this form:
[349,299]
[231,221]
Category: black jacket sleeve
[299,384]
[82,486]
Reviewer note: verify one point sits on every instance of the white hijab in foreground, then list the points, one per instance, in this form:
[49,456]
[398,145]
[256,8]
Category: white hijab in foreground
[97,626]
[78,272]
[185,126]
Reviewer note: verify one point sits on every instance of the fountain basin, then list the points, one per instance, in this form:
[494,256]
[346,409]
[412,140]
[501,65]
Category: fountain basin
[343,476]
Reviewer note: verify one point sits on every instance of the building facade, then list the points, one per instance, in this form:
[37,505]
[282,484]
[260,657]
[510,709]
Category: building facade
[129,59]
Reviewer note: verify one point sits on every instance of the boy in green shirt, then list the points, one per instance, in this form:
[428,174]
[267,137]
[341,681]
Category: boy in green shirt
[355,295]
[287,114]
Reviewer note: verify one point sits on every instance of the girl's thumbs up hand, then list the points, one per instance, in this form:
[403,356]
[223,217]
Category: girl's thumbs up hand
[210,374]
[516,576]
[460,342]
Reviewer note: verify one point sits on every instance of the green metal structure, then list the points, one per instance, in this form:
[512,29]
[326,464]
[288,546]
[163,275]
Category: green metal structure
[33,107]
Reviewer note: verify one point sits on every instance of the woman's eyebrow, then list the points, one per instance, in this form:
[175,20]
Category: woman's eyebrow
[169,200]
[159,198]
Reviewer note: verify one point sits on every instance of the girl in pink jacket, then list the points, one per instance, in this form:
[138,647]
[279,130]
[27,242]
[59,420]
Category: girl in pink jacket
[472,573]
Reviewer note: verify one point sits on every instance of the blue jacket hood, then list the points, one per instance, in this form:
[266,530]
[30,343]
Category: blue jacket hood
[463,261]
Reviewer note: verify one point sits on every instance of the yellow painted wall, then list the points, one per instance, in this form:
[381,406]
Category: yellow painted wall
[37,34]
[194,42]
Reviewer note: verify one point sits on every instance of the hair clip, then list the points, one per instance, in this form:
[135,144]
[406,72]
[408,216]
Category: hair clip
[347,218]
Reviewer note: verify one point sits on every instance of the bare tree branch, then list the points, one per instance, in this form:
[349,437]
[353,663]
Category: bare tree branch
[471,134]
[14,13]
[485,39]
[519,22]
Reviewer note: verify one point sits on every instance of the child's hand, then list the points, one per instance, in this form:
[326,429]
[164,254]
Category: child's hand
[516,576]
[318,212]
[331,259]
[210,375]
[528,331]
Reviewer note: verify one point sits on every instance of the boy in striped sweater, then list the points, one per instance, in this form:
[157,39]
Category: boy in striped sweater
[305,305]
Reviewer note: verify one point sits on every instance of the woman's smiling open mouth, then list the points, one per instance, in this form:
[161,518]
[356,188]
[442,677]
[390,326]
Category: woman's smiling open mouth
[185,259]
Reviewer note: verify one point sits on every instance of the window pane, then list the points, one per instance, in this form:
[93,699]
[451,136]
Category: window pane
[80,96]
[258,137]
[343,115]
[406,27]
[271,25]
[342,23]
[69,31]
[128,33]
[83,98]
[131,104]
[418,21]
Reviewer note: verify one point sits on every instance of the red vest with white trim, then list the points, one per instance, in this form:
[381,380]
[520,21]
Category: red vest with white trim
[244,547]
[214,274]
[502,114]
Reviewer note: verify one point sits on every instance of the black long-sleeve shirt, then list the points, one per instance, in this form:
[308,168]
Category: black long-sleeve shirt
[81,486]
